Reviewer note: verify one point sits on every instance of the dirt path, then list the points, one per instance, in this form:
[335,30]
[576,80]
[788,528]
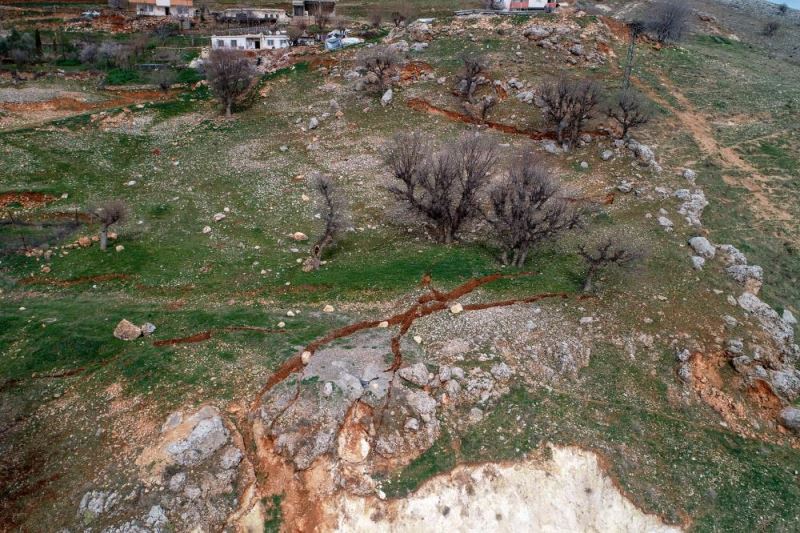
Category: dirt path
[699,126]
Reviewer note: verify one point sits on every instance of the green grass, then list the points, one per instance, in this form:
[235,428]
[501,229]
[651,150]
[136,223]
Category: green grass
[273,518]
[119,76]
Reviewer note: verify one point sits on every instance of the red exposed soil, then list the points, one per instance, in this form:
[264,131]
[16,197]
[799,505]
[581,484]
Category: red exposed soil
[39,280]
[418,104]
[413,70]
[26,199]
[205,335]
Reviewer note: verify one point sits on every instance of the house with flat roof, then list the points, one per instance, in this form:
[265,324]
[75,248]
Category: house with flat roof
[251,41]
[311,8]
[250,15]
[165,8]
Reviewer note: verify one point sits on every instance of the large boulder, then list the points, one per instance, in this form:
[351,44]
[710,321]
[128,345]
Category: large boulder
[790,417]
[416,374]
[702,247]
[751,276]
[537,33]
[208,436]
[127,331]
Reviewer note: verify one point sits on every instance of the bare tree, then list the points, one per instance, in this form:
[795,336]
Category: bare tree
[473,69]
[164,78]
[770,28]
[629,110]
[569,104]
[375,17]
[380,61]
[400,12]
[294,32]
[609,249]
[229,76]
[107,215]
[335,217]
[443,188]
[669,20]
[322,17]
[528,207]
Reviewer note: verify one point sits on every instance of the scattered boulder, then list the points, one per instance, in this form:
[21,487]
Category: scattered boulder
[299,236]
[790,418]
[501,371]
[751,276]
[387,97]
[789,318]
[401,46]
[770,321]
[416,374]
[177,481]
[786,383]
[689,174]
[313,123]
[208,436]
[731,255]
[147,329]
[692,207]
[607,155]
[127,331]
[665,223]
[698,262]
[702,247]
[525,97]
[551,147]
[97,502]
[537,33]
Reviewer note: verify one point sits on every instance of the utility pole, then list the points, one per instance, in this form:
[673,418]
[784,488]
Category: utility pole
[635,29]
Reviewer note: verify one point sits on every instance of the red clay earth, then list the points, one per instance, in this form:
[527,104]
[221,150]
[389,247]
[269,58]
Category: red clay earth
[418,104]
[205,335]
[25,199]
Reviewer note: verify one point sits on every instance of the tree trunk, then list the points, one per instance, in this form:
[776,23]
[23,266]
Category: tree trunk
[228,109]
[588,284]
[104,239]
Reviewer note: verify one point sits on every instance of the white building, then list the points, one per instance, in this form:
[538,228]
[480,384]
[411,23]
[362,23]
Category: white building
[525,4]
[251,41]
[256,14]
[165,8]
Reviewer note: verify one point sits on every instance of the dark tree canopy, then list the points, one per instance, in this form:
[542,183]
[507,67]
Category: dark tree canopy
[569,104]
[528,207]
[611,248]
[380,61]
[229,75]
[442,188]
[668,20]
[629,110]
[473,67]
[108,214]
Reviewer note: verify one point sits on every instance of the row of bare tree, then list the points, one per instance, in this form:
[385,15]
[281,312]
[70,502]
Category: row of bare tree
[451,189]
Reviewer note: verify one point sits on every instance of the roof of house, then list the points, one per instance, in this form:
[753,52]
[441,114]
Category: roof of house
[172,3]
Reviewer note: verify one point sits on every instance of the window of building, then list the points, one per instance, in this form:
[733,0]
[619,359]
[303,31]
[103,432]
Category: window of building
[233,43]
[270,43]
[220,43]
